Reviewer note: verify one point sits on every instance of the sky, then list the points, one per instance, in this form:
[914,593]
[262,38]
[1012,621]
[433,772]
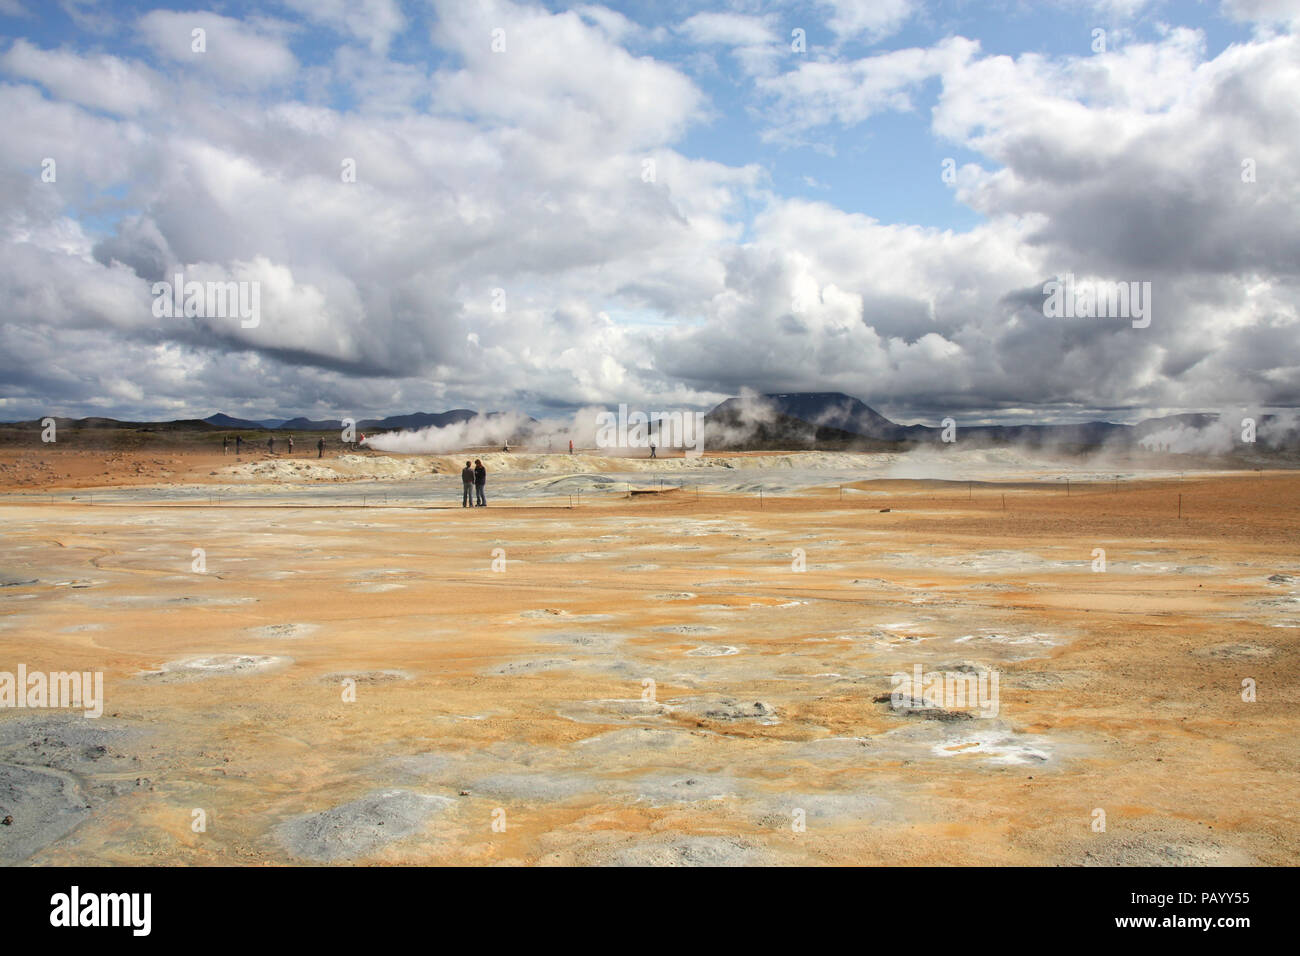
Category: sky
[539,207]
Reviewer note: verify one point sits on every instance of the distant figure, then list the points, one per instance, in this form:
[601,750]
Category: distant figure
[320,447]
[480,479]
[291,444]
[570,446]
[225,444]
[270,444]
[467,480]
[239,443]
[652,450]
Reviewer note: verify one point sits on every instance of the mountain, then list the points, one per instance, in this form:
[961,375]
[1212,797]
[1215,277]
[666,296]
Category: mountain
[839,411]
[808,418]
[221,420]
[805,417]
[1194,420]
[307,425]
[802,419]
[304,424]
[419,420]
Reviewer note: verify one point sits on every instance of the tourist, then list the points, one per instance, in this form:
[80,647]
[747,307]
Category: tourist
[467,481]
[480,479]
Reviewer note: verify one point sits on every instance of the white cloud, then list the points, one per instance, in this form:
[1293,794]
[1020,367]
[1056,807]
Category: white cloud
[558,77]
[728,29]
[526,171]
[845,92]
[237,53]
[373,21]
[100,82]
[868,19]
[1276,11]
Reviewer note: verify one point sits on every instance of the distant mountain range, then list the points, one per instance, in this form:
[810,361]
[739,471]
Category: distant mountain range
[791,420]
[393,422]
[804,419]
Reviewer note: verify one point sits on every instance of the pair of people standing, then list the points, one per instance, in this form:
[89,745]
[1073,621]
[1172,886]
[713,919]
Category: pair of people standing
[473,479]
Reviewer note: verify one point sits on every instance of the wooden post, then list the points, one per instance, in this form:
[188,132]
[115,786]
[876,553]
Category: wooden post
[1004,502]
[1180,506]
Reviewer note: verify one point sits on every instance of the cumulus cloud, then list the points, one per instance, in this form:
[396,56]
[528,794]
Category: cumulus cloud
[869,19]
[227,50]
[1265,11]
[374,22]
[99,82]
[728,29]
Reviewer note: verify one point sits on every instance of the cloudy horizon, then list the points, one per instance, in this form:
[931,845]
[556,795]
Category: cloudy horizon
[543,207]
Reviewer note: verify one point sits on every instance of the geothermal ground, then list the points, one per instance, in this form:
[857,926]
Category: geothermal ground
[673,670]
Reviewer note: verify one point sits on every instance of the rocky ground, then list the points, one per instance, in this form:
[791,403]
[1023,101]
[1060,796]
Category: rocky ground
[655,679]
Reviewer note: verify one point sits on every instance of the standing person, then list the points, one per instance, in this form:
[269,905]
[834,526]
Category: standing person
[320,447]
[570,446]
[480,479]
[239,443]
[467,481]
[225,444]
[270,445]
[291,444]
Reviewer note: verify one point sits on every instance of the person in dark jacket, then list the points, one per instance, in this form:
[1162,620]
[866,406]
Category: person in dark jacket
[480,479]
[467,480]
[239,443]
[320,447]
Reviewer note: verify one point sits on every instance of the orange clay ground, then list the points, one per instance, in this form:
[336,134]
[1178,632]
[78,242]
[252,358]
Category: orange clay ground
[648,679]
